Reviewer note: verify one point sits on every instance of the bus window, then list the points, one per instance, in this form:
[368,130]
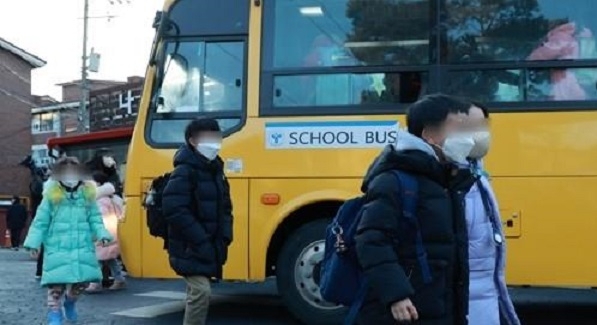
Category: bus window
[203,77]
[171,131]
[507,30]
[562,84]
[487,85]
[199,79]
[348,89]
[553,84]
[310,33]
[207,18]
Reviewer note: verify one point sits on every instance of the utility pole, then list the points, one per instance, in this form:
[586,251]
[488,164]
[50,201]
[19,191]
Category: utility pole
[83,109]
[83,113]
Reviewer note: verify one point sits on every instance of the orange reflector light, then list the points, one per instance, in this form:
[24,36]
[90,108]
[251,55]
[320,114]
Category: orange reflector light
[270,198]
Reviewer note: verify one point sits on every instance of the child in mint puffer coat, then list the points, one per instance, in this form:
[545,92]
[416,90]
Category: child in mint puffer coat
[68,222]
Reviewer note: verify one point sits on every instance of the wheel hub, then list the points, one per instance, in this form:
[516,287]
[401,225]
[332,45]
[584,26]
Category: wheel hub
[306,275]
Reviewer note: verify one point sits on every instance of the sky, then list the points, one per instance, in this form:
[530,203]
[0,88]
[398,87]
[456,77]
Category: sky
[53,31]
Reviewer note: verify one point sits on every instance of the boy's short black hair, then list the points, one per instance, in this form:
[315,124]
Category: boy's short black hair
[99,177]
[201,125]
[432,111]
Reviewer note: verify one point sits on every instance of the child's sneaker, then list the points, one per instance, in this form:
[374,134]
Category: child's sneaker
[54,317]
[70,310]
[117,285]
[94,288]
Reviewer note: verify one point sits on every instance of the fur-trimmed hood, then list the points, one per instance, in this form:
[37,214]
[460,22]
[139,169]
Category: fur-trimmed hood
[54,192]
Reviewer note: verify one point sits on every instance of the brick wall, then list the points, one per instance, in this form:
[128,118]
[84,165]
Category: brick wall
[42,138]
[69,121]
[72,91]
[15,117]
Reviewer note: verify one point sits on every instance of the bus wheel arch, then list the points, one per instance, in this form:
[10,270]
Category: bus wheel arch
[297,218]
[293,255]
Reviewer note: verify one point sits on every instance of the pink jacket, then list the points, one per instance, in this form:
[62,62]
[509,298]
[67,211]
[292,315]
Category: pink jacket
[561,44]
[111,207]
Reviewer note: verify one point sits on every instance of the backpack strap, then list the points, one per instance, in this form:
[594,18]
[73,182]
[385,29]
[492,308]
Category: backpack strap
[410,190]
[353,312]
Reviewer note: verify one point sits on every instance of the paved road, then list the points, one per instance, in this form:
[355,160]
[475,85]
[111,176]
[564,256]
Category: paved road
[154,302]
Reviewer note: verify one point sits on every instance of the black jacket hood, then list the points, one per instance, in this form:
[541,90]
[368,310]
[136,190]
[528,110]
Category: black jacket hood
[186,155]
[409,154]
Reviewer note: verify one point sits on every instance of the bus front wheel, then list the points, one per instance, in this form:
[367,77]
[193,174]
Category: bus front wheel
[297,273]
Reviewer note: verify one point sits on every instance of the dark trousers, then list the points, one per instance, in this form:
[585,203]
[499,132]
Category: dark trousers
[40,262]
[15,237]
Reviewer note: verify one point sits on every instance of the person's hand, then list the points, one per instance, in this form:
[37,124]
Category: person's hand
[34,253]
[404,311]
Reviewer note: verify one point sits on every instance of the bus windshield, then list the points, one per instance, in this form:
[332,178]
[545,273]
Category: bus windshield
[199,77]
[202,77]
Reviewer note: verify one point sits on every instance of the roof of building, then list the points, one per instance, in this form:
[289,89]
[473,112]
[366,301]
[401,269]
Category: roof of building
[33,60]
[55,107]
[43,100]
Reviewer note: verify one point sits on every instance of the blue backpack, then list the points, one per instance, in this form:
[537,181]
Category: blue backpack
[342,281]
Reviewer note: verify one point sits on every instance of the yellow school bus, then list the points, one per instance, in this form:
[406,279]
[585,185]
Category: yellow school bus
[309,91]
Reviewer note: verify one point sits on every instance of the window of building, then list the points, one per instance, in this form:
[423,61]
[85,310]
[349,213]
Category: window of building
[40,155]
[45,122]
[531,30]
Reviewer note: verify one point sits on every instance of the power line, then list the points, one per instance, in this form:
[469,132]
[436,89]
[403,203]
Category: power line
[83,109]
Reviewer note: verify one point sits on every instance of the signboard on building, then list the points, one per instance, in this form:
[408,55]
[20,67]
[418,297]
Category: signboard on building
[114,107]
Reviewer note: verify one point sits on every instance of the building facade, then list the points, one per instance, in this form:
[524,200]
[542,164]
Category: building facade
[16,102]
[112,105]
[48,122]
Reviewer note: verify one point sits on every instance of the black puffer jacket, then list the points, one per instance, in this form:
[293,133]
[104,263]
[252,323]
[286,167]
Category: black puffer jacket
[386,246]
[197,206]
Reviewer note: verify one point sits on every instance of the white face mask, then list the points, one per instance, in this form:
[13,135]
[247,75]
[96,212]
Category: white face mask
[458,147]
[109,161]
[482,140]
[209,150]
[70,180]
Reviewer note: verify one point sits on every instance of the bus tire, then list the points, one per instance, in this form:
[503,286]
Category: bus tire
[297,275]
